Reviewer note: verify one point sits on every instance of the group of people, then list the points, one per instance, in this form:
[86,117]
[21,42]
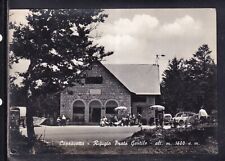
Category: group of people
[61,121]
[128,120]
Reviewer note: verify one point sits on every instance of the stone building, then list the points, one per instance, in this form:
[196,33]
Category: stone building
[108,86]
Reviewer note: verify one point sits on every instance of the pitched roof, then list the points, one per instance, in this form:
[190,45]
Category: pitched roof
[141,79]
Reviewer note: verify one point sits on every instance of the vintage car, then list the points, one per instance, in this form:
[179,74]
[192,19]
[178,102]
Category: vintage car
[167,118]
[182,117]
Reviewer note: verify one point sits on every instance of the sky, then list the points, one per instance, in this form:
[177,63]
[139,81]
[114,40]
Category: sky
[136,36]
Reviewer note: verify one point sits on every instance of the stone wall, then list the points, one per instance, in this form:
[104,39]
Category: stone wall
[110,89]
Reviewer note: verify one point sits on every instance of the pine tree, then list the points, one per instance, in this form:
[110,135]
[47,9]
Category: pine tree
[202,70]
[172,85]
[190,84]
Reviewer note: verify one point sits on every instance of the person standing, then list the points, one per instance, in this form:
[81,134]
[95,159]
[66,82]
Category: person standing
[58,121]
[160,119]
[64,120]
[202,115]
[139,117]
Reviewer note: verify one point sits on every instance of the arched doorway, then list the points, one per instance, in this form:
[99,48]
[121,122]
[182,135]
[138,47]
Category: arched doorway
[95,111]
[110,106]
[78,111]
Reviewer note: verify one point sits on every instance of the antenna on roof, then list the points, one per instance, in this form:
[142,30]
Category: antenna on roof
[157,56]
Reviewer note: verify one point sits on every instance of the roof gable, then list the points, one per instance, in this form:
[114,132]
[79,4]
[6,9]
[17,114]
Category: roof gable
[142,79]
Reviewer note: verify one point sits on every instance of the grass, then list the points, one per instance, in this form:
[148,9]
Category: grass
[18,145]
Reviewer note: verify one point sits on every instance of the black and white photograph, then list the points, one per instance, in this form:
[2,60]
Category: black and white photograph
[112,81]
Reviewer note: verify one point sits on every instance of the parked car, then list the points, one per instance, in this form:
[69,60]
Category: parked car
[182,117]
[213,116]
[167,118]
[194,120]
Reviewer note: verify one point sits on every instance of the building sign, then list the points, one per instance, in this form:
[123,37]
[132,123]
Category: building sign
[95,91]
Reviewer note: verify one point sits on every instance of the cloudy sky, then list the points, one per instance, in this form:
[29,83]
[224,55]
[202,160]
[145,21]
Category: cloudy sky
[137,35]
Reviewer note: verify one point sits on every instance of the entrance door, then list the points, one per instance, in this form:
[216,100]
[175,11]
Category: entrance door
[78,111]
[96,114]
[95,111]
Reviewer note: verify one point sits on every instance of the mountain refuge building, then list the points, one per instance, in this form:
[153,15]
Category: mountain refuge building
[108,86]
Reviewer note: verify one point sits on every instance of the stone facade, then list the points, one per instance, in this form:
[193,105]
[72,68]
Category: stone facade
[91,101]
[110,90]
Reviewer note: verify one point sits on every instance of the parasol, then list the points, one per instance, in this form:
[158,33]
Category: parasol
[157,107]
[120,108]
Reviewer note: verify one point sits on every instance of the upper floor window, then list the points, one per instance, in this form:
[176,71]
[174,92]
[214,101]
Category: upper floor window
[70,92]
[94,80]
[139,98]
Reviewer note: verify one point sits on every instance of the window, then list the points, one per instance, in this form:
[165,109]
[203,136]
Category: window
[136,98]
[110,110]
[110,106]
[70,92]
[139,110]
[178,114]
[78,110]
[78,107]
[93,80]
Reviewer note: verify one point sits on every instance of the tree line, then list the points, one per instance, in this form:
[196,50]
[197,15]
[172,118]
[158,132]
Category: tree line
[188,85]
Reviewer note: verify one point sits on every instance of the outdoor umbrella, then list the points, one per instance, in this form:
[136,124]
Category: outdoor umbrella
[157,107]
[120,108]
[121,111]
